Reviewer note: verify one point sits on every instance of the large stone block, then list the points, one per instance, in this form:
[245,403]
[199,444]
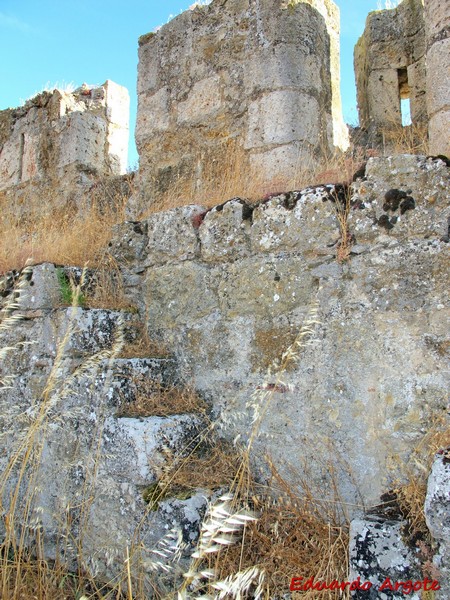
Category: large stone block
[273,119]
[379,555]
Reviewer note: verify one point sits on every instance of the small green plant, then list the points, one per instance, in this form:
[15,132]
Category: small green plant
[70,294]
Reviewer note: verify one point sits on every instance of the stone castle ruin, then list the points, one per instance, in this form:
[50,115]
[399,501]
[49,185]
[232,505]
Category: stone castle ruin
[404,54]
[58,143]
[246,82]
[227,289]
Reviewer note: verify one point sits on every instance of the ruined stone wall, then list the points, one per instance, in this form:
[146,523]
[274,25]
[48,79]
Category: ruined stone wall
[57,142]
[437,21]
[228,289]
[243,80]
[390,64]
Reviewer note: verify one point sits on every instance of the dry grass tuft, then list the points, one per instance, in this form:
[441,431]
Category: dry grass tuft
[108,289]
[232,177]
[160,401]
[409,139]
[295,535]
[142,345]
[63,235]
[411,495]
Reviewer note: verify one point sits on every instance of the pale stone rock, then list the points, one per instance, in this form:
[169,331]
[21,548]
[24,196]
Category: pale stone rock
[283,126]
[153,113]
[203,102]
[224,232]
[437,514]
[387,69]
[173,235]
[377,552]
[53,147]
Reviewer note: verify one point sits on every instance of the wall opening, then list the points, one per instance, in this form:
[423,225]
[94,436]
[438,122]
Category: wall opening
[404,94]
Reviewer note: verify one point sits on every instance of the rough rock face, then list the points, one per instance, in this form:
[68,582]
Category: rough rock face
[57,142]
[437,513]
[231,79]
[390,64]
[88,467]
[229,288]
[437,28]
[379,555]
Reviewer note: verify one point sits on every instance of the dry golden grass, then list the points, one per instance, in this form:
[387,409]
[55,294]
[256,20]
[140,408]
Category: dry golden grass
[295,535]
[142,345]
[62,235]
[409,139]
[232,177]
[107,285]
[160,401]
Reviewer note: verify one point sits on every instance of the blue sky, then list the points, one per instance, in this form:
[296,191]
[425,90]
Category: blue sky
[48,42]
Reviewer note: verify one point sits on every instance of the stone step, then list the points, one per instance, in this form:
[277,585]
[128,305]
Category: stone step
[48,286]
[117,384]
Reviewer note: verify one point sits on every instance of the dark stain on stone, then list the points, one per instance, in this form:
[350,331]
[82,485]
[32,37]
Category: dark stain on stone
[358,205]
[392,199]
[442,157]
[407,204]
[289,200]
[446,237]
[385,222]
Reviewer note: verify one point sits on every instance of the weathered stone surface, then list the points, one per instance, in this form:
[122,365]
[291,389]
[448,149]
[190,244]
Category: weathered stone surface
[437,514]
[279,224]
[173,235]
[211,91]
[437,28]
[403,198]
[57,142]
[91,468]
[377,552]
[224,232]
[376,373]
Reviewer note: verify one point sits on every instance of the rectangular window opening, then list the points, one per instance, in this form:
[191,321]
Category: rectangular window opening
[404,93]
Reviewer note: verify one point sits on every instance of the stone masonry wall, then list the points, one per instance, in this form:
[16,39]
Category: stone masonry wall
[57,142]
[229,288]
[243,80]
[390,64]
[437,22]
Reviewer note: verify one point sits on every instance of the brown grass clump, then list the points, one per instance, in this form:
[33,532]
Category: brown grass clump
[142,345]
[66,235]
[409,139]
[210,465]
[295,535]
[231,177]
[160,401]
[108,289]
[411,495]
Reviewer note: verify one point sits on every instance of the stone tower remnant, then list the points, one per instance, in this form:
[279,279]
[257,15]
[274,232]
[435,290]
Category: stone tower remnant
[253,79]
[55,144]
[389,67]
[404,54]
